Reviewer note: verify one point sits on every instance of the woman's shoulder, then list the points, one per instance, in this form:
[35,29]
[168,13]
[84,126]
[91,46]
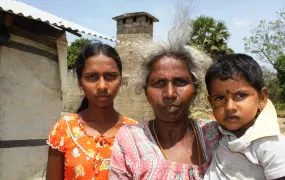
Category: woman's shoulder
[207,124]
[210,130]
[132,131]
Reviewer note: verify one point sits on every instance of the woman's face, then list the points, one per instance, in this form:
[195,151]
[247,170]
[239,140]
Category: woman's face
[100,80]
[170,89]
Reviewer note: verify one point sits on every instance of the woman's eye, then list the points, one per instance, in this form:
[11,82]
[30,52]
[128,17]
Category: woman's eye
[158,83]
[180,82]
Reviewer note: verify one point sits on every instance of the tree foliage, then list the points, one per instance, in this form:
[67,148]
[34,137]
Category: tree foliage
[272,83]
[73,51]
[267,40]
[210,36]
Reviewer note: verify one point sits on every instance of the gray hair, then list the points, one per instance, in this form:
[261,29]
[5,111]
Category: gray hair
[176,47]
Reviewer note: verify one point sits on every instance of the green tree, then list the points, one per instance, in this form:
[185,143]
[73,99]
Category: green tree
[210,36]
[73,51]
[272,83]
[280,64]
[267,40]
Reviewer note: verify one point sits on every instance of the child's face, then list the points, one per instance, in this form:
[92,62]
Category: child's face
[235,102]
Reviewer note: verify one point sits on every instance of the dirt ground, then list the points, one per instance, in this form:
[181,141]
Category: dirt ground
[282,124]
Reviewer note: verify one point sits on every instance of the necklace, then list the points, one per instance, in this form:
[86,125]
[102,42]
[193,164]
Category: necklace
[158,141]
[195,134]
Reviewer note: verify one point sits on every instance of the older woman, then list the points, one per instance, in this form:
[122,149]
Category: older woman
[172,145]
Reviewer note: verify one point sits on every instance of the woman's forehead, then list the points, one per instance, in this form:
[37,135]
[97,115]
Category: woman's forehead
[170,68]
[169,63]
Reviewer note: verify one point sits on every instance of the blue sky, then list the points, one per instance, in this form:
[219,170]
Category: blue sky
[239,15]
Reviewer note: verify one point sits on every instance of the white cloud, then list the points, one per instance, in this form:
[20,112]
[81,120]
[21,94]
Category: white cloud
[240,22]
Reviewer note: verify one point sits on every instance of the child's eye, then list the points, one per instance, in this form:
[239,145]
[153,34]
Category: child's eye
[241,95]
[219,98]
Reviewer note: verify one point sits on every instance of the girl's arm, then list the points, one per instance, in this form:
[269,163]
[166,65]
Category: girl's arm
[55,166]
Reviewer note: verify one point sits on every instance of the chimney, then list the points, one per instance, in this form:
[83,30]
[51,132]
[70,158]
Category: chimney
[134,26]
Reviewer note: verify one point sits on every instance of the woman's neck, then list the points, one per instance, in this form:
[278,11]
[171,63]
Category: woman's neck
[171,133]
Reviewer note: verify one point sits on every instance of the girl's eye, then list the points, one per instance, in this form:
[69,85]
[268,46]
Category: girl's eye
[110,76]
[92,77]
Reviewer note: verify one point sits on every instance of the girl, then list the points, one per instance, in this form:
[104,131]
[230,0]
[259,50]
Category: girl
[81,143]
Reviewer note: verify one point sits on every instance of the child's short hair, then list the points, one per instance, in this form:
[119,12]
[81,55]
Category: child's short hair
[228,66]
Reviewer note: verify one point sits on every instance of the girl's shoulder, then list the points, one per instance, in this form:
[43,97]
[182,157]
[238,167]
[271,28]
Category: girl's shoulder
[60,131]
[67,119]
[127,120]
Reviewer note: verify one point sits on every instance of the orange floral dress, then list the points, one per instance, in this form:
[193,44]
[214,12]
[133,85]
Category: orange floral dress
[86,157]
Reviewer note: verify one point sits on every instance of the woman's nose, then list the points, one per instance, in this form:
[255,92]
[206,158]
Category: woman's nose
[170,92]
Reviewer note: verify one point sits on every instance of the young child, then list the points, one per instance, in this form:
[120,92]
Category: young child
[252,146]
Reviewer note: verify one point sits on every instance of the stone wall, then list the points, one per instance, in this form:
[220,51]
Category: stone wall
[71,97]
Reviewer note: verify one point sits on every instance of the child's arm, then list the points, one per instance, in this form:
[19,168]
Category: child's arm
[270,152]
[282,178]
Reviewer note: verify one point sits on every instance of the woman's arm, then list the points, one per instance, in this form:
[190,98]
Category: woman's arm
[55,166]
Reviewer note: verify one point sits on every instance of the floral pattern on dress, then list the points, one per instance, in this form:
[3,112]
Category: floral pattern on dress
[86,157]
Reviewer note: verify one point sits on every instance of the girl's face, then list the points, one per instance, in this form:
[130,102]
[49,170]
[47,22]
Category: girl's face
[170,89]
[100,80]
[235,102]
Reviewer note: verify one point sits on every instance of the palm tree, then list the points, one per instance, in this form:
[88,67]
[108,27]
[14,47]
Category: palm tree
[211,36]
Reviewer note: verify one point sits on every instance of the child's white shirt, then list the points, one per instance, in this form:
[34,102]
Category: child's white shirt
[259,154]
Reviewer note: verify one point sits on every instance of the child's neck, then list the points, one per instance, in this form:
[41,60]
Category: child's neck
[240,132]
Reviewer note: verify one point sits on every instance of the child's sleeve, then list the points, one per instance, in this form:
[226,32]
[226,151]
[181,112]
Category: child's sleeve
[57,135]
[271,155]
